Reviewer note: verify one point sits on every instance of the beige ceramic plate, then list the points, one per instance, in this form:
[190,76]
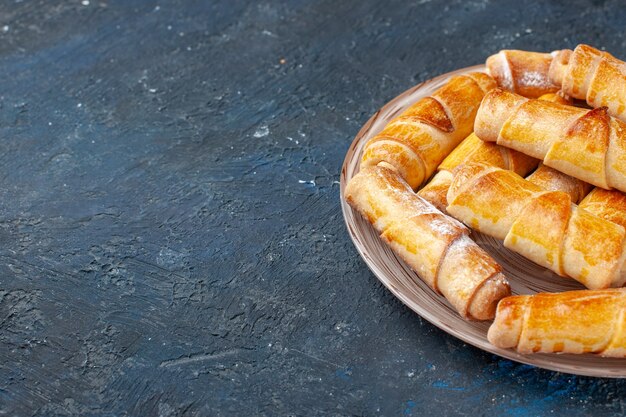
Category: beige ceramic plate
[525,277]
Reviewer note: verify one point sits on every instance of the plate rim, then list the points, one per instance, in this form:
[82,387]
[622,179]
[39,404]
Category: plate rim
[545,360]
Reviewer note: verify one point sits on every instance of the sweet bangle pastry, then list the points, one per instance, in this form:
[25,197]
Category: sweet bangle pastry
[416,142]
[434,245]
[544,226]
[586,144]
[552,180]
[569,322]
[592,75]
[522,72]
[472,149]
[608,204]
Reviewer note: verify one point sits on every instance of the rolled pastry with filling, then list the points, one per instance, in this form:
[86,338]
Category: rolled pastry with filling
[592,75]
[473,149]
[586,144]
[608,204]
[415,142]
[552,180]
[433,244]
[544,226]
[522,72]
[569,322]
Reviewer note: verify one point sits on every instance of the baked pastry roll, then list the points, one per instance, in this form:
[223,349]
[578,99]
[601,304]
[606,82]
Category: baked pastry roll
[416,142]
[569,322]
[608,204]
[552,180]
[522,72]
[544,226]
[434,245]
[592,75]
[472,149]
[586,144]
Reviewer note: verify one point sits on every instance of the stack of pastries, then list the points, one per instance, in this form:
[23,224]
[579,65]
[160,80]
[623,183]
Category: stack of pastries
[532,152]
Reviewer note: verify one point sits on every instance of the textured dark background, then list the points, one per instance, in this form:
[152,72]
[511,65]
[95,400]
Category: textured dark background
[171,241]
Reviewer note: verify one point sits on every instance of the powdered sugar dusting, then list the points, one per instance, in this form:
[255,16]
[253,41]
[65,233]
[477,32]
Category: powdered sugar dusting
[442,224]
[507,82]
[464,241]
[534,79]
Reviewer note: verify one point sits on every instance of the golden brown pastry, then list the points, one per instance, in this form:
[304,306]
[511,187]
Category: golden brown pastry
[592,75]
[415,142]
[434,245]
[558,98]
[569,322]
[522,72]
[552,180]
[608,204]
[586,144]
[544,226]
[473,149]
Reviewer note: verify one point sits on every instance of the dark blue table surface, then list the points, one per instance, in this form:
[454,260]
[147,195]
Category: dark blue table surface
[171,240]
